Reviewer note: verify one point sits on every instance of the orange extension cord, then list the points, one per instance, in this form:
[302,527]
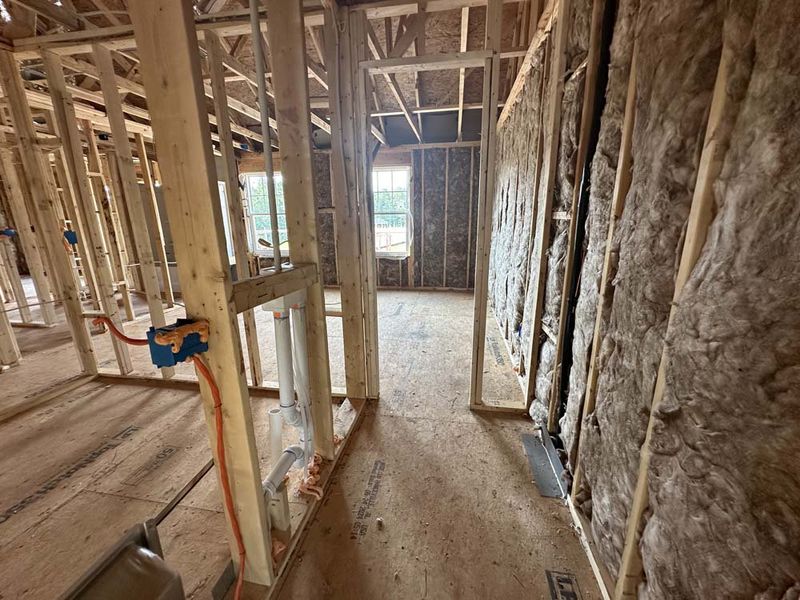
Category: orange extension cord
[202,368]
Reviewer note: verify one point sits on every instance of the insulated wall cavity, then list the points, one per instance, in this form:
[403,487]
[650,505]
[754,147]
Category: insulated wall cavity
[443,205]
[571,105]
[676,70]
[517,161]
[727,435]
[604,167]
[442,225]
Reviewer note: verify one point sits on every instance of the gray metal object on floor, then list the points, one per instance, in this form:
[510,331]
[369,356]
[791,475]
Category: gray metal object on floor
[545,464]
[133,569]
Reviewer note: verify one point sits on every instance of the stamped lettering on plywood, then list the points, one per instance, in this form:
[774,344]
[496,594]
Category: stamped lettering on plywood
[67,473]
[152,465]
[368,500]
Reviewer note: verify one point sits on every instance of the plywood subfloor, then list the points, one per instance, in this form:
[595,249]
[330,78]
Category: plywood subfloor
[78,471]
[461,516]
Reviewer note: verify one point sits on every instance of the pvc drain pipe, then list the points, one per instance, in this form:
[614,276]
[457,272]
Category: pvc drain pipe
[288,457]
[283,350]
[300,361]
[275,434]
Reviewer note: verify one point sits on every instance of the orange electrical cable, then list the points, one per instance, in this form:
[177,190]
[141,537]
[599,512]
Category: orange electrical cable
[117,333]
[223,468]
[203,369]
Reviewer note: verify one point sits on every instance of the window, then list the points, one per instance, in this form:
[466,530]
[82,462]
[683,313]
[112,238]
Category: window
[390,193]
[255,190]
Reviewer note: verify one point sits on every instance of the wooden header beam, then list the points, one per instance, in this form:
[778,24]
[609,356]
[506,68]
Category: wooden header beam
[397,8]
[430,62]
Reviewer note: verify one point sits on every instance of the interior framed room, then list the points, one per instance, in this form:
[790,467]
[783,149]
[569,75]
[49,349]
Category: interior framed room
[403,299]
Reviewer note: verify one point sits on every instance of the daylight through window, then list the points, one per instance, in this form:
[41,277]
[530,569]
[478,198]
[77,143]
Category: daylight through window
[390,192]
[258,213]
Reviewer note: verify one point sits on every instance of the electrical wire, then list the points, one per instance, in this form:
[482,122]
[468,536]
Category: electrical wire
[117,333]
[203,370]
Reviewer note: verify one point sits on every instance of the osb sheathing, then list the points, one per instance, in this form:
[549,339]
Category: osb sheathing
[603,173]
[724,482]
[676,69]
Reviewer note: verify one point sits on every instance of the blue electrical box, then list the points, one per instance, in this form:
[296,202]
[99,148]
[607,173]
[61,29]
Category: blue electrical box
[163,356]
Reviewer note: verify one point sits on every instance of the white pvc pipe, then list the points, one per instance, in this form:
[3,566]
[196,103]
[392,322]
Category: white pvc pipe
[300,352]
[283,351]
[288,457]
[300,355]
[275,435]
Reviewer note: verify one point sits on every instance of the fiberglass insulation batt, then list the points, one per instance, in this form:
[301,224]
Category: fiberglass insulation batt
[676,69]
[724,480]
[513,257]
[604,167]
[509,257]
[571,105]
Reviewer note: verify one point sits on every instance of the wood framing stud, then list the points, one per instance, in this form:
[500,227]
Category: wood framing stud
[170,66]
[130,189]
[344,190]
[483,237]
[587,111]
[155,218]
[462,72]
[552,131]
[287,41]
[233,197]
[45,197]
[77,171]
[700,216]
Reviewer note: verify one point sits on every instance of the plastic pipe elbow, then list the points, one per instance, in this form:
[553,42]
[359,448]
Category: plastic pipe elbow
[273,481]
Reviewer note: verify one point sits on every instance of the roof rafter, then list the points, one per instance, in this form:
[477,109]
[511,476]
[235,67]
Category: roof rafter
[379,54]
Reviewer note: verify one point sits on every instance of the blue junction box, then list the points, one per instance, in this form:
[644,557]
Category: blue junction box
[162,356]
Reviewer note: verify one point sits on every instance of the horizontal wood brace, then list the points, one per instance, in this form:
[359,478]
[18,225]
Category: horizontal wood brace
[260,289]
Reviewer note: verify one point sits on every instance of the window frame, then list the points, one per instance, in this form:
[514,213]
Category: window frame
[255,247]
[407,213]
